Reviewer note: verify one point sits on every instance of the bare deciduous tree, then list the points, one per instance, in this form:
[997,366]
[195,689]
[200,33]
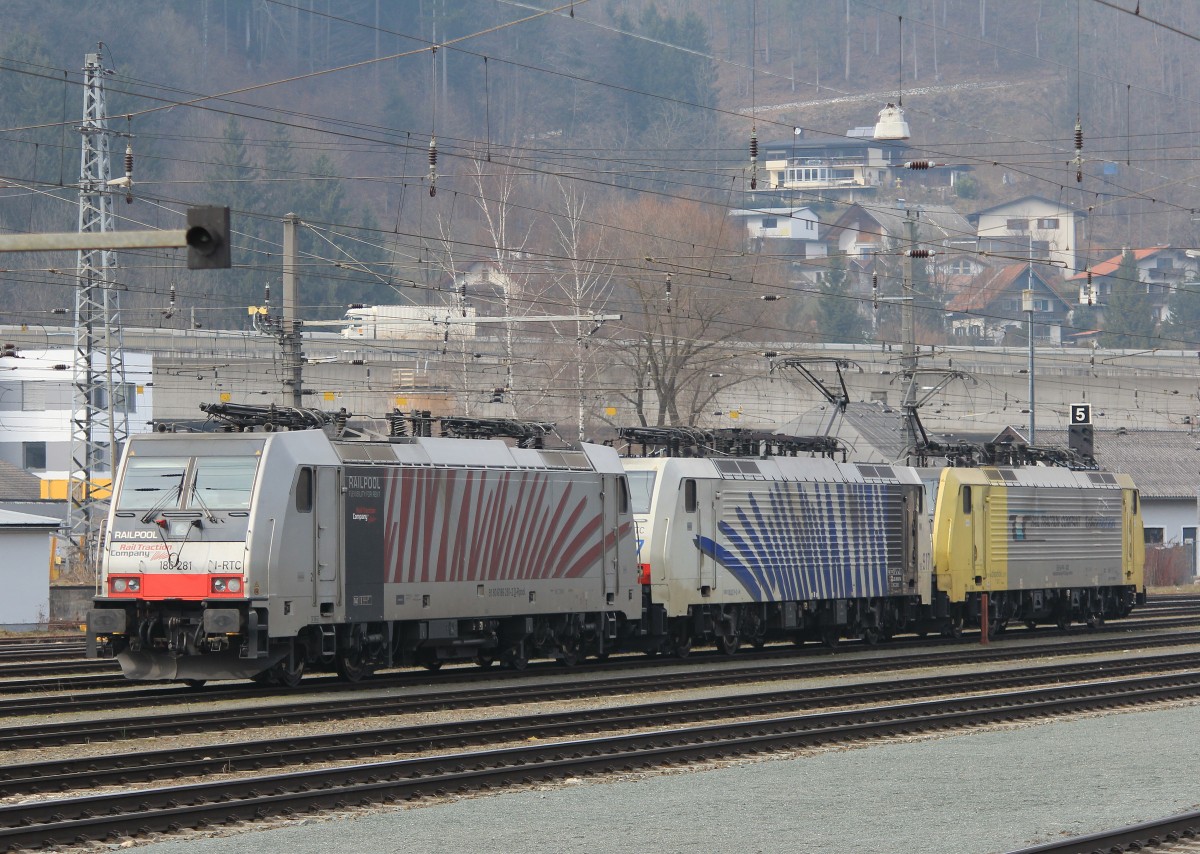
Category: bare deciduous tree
[688,304]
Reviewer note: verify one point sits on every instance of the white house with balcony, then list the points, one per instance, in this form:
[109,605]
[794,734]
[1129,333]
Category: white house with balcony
[798,226]
[37,398]
[834,168]
[1032,227]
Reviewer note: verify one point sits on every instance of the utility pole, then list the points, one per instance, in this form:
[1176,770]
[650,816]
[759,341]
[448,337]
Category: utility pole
[290,335]
[99,419]
[1027,304]
[908,359]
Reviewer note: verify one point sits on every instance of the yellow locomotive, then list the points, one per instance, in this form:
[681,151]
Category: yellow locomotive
[1038,544]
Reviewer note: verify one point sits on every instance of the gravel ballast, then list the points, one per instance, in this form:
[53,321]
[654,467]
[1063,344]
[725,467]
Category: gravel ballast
[991,790]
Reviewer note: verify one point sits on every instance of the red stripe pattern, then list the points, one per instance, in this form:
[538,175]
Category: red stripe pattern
[478,525]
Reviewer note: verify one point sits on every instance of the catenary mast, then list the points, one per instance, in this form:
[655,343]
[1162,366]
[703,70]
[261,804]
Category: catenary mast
[99,420]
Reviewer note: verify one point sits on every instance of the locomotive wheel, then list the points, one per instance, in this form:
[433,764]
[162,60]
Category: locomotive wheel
[870,635]
[516,659]
[831,637]
[350,667]
[729,644]
[289,677]
[485,659]
[1031,624]
[433,665]
[683,646]
[194,683]
[569,656]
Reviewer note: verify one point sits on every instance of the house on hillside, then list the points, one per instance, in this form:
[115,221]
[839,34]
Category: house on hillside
[988,307]
[1032,226]
[794,229]
[873,238]
[1160,268]
[787,233]
[862,230]
[836,168]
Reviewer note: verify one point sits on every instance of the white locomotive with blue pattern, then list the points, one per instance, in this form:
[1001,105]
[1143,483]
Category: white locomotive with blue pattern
[741,549]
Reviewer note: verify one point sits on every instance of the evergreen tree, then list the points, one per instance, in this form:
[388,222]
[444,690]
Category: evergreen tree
[233,180]
[837,311]
[1128,316]
[684,75]
[1183,324]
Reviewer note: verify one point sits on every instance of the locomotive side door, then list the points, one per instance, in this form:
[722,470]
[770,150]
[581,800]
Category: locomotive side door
[326,531]
[610,495]
[693,521]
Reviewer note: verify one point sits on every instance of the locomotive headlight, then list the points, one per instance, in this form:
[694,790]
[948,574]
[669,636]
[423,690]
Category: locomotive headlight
[119,585]
[218,585]
[134,585]
[234,585]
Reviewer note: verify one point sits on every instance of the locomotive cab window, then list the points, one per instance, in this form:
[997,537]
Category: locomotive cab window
[966,499]
[152,483]
[304,491]
[622,496]
[641,488]
[689,495]
[222,483]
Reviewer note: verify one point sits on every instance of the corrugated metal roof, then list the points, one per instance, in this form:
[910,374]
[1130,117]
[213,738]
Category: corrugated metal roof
[1163,463]
[17,484]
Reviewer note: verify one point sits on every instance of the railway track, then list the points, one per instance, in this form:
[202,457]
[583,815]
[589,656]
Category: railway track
[781,664]
[1173,833]
[135,812]
[85,675]
[143,766]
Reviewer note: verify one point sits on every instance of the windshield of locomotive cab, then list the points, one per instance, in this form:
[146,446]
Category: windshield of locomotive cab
[641,489]
[152,482]
[222,482]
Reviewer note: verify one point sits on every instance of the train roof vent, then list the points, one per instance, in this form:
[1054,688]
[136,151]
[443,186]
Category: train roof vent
[365,452]
[877,471]
[736,467]
[1101,477]
[1000,475]
[566,460]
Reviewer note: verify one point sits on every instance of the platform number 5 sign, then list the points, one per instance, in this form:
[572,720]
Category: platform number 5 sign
[1081,413]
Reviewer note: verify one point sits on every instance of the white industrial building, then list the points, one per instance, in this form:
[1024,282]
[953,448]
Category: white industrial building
[37,401]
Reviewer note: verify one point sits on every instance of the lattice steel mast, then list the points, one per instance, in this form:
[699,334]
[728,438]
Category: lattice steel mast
[99,420]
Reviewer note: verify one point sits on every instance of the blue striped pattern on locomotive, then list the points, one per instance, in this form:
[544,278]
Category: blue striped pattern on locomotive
[797,540]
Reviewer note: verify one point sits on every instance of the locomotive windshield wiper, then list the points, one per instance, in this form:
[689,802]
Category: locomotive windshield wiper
[195,493]
[168,496]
